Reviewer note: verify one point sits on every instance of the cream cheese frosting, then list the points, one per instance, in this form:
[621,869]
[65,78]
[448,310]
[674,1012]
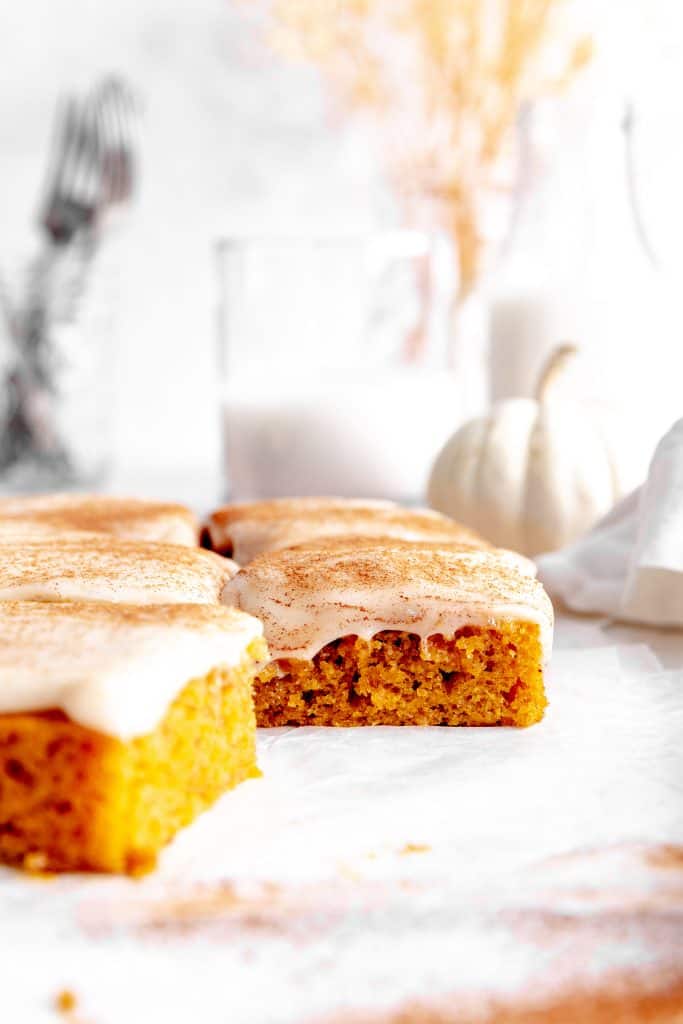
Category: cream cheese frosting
[97,568]
[113,668]
[19,531]
[129,518]
[250,529]
[310,595]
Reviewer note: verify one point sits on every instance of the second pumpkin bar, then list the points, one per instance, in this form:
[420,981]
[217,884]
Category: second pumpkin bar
[388,632]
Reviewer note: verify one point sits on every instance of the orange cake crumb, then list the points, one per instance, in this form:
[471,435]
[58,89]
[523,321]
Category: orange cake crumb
[65,1001]
[72,798]
[479,676]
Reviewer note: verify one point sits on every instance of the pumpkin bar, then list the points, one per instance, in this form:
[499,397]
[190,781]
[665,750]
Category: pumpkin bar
[365,631]
[247,530]
[127,518]
[97,568]
[119,724]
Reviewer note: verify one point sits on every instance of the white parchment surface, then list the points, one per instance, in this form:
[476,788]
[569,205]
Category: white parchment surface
[375,869]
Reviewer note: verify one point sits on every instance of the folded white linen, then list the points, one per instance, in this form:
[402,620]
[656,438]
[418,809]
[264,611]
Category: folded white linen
[630,565]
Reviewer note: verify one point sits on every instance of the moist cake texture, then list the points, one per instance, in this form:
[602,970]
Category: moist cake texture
[128,518]
[389,632]
[245,531]
[478,676]
[97,568]
[119,724]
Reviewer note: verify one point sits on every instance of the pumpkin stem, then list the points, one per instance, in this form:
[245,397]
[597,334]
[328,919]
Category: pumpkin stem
[554,367]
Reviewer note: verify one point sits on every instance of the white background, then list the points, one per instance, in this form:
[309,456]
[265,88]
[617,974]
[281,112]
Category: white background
[233,141]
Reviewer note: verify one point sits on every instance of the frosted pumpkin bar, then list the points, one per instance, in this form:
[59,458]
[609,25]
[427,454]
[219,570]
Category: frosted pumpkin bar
[388,632]
[247,530]
[96,568]
[128,518]
[119,724]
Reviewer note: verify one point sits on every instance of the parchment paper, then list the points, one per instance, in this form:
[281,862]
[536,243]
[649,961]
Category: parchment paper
[379,869]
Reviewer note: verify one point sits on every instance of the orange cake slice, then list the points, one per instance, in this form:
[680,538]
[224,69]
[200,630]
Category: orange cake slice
[95,568]
[119,724]
[383,631]
[129,518]
[245,531]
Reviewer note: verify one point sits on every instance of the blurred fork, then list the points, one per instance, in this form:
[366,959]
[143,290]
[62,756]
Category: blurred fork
[92,166]
[74,182]
[90,170]
[70,205]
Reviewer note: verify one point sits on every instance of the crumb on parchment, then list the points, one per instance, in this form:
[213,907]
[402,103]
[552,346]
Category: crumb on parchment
[65,1001]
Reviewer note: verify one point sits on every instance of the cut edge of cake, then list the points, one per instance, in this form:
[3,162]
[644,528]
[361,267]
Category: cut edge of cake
[105,785]
[478,676]
[73,799]
[383,631]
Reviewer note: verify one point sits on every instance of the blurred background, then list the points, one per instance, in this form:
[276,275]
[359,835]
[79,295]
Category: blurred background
[436,195]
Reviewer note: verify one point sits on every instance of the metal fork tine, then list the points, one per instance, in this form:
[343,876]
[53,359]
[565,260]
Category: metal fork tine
[73,166]
[83,186]
[60,148]
[116,154]
[106,134]
[92,187]
[116,145]
[71,181]
[113,104]
[124,107]
[122,161]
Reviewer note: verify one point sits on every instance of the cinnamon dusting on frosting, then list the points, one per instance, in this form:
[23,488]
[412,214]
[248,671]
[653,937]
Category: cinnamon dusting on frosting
[99,568]
[114,668]
[309,595]
[129,518]
[247,530]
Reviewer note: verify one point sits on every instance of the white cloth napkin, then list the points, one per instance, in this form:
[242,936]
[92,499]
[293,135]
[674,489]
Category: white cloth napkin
[630,565]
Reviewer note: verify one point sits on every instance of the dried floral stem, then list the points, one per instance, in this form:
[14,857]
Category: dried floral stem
[444,80]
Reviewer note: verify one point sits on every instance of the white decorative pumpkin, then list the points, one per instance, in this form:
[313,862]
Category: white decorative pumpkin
[534,473]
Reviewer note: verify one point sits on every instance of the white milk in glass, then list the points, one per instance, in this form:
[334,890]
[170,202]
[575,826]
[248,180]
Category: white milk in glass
[341,434]
[337,377]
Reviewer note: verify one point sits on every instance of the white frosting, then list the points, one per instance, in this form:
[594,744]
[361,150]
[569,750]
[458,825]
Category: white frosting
[516,561]
[313,594]
[93,568]
[128,518]
[20,531]
[113,668]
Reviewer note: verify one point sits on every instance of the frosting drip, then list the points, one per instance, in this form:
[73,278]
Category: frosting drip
[113,668]
[310,595]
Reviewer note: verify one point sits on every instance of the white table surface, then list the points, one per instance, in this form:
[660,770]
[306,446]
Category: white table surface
[592,632]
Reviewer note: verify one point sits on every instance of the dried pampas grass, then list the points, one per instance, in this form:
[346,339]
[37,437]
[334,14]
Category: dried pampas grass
[444,82]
